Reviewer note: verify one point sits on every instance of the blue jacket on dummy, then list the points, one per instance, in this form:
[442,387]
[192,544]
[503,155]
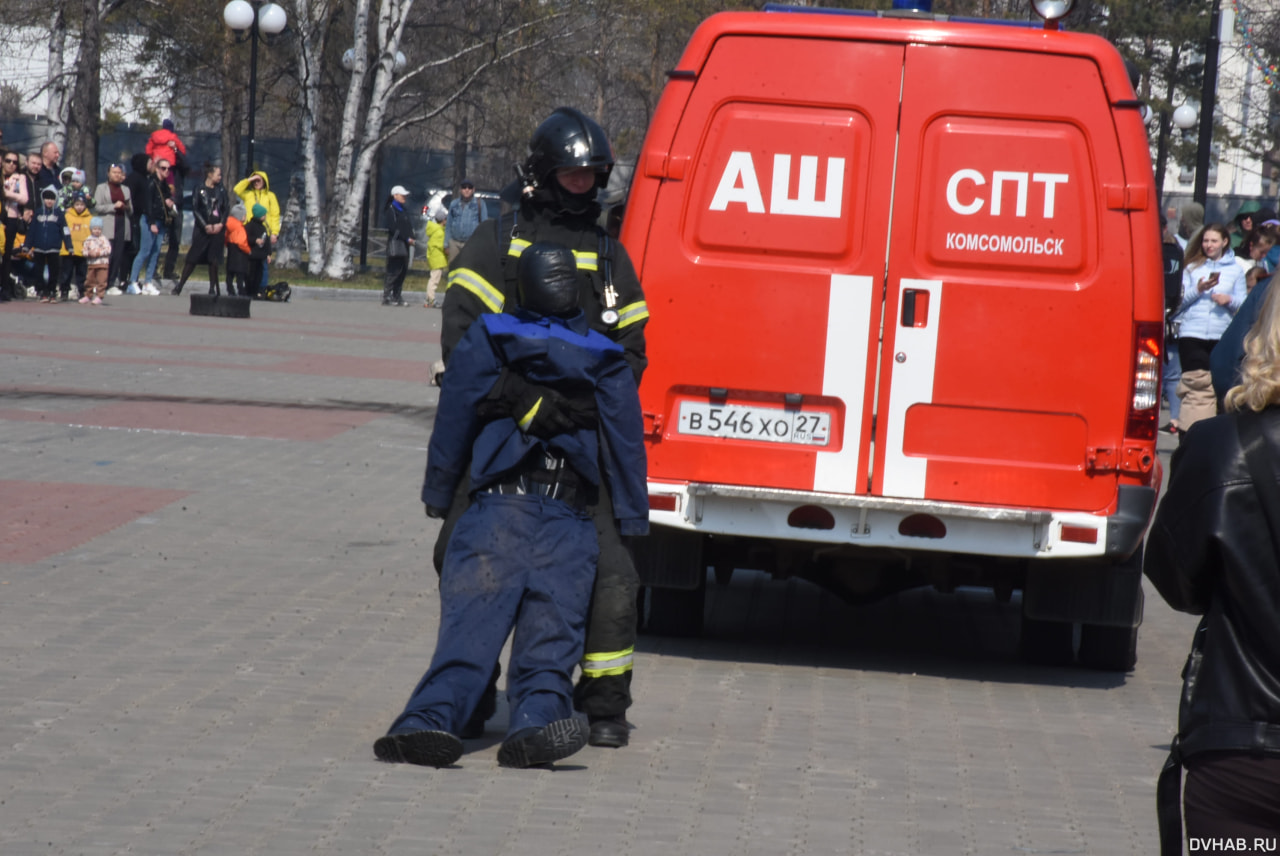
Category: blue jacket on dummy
[567,356]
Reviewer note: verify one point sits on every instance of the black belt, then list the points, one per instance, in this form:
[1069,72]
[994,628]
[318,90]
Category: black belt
[553,478]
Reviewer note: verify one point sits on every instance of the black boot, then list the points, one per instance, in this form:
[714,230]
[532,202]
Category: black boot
[177,289]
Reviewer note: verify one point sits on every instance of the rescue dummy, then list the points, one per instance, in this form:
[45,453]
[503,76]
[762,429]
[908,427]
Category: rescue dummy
[523,555]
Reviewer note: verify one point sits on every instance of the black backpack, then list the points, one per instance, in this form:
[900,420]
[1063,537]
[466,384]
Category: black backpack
[279,292]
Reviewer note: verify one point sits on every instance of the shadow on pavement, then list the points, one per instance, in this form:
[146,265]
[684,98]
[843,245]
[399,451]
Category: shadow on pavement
[965,635]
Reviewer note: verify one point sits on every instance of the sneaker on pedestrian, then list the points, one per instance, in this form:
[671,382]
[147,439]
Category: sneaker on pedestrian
[97,301]
[532,747]
[83,300]
[133,289]
[114,291]
[151,289]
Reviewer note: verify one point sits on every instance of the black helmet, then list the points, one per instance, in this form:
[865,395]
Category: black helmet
[568,137]
[547,279]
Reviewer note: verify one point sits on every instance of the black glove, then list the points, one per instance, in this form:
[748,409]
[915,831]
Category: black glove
[436,513]
[552,412]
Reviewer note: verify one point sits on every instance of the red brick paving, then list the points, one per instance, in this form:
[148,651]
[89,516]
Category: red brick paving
[43,519]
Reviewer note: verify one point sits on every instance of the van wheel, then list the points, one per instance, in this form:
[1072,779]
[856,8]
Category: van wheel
[676,612]
[1111,649]
[1047,643]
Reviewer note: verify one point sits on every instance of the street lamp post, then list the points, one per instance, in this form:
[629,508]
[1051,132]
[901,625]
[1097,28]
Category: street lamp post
[254,16]
[1208,95]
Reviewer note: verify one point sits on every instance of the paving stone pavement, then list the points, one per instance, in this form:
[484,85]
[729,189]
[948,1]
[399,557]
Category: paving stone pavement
[215,595]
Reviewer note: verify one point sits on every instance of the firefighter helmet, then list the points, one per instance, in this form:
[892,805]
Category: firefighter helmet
[568,138]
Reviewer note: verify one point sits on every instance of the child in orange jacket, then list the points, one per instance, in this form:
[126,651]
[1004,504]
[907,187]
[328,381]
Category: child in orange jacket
[237,251]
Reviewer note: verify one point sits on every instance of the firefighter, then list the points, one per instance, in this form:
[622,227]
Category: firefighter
[524,554]
[554,200]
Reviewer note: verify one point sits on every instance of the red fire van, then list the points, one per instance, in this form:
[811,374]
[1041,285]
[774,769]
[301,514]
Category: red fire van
[906,318]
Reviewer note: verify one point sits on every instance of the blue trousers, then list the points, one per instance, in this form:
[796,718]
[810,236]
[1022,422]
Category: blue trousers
[513,561]
[148,252]
[1169,382]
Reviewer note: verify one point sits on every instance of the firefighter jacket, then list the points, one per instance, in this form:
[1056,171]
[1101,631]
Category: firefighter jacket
[1212,552]
[567,356]
[483,277]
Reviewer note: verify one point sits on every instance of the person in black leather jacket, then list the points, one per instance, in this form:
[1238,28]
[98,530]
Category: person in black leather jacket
[209,211]
[1214,550]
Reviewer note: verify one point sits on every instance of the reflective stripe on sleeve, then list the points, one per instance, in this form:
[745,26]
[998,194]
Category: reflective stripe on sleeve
[479,286]
[631,313]
[608,663]
[528,417]
[585,260]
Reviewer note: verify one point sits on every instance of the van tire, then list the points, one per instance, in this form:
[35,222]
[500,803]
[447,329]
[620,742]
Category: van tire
[1109,649]
[1047,643]
[676,612]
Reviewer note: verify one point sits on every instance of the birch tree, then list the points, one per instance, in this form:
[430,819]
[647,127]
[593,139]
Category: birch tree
[371,113]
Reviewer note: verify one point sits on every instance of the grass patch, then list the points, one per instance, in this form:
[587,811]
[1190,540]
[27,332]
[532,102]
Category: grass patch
[370,280]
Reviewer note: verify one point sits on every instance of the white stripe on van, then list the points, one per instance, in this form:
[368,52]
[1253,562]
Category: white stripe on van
[844,376]
[910,382]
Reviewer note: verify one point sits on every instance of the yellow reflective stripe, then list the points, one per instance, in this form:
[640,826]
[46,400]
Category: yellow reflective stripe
[528,417]
[631,313]
[609,663]
[479,286]
[585,260]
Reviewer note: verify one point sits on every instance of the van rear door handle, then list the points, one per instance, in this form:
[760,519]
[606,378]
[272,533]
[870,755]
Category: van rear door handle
[915,307]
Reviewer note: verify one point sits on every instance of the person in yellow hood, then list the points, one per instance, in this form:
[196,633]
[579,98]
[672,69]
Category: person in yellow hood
[256,190]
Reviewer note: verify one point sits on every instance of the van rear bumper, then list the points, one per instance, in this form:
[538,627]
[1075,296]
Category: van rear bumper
[719,509]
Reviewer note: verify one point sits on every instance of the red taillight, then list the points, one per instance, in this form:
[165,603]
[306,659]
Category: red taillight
[922,526]
[811,517]
[1080,534]
[662,501]
[1144,406]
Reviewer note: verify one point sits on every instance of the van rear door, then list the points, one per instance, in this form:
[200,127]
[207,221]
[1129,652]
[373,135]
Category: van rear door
[1008,333]
[779,176]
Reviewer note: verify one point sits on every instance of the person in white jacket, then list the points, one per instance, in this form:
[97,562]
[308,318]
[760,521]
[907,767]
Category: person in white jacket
[1213,288]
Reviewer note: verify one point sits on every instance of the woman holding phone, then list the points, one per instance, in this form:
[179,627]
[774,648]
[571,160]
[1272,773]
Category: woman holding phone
[1213,287]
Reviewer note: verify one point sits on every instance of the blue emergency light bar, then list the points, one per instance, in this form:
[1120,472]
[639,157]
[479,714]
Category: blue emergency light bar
[910,9]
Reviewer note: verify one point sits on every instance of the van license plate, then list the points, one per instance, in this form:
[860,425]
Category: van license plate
[740,422]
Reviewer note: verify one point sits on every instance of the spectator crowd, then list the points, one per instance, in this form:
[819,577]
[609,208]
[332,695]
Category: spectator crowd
[64,241]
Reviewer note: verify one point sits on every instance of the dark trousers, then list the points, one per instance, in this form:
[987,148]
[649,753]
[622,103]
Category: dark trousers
[604,688]
[257,268]
[6,261]
[393,280]
[175,238]
[121,259]
[519,561]
[1233,795]
[73,267]
[131,252]
[42,262]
